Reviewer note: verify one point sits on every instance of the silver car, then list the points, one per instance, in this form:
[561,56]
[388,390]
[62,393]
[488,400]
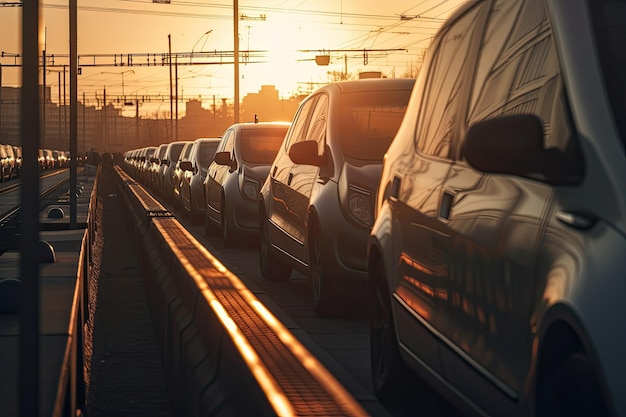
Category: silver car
[234,178]
[496,266]
[194,172]
[315,207]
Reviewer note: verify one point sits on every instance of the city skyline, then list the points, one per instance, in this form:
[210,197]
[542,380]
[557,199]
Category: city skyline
[288,35]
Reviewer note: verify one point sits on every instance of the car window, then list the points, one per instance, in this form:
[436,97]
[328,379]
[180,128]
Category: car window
[186,152]
[440,114]
[228,142]
[260,146]
[370,120]
[206,153]
[520,74]
[299,127]
[176,150]
[317,131]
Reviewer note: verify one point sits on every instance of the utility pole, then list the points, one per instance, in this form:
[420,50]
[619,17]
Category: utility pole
[59,132]
[1,99]
[64,137]
[136,122]
[169,41]
[84,136]
[105,140]
[29,323]
[236,58]
[73,18]
[176,69]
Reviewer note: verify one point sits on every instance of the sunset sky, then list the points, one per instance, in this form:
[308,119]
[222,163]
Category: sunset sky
[283,28]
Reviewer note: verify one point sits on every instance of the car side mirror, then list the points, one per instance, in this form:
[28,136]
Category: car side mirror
[306,153]
[223,158]
[506,145]
[186,165]
[514,145]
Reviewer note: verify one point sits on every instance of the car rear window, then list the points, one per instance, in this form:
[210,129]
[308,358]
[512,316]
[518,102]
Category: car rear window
[369,122]
[260,146]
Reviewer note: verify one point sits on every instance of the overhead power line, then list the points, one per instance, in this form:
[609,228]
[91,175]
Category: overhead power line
[142,59]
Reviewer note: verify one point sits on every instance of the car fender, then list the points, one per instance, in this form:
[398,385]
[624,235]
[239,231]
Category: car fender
[589,303]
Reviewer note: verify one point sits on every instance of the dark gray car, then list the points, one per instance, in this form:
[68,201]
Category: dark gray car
[497,263]
[316,205]
[234,178]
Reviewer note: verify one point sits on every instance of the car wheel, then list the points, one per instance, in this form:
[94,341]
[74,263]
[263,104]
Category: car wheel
[194,215]
[572,390]
[229,235]
[272,269]
[325,298]
[175,201]
[210,229]
[386,364]
[394,384]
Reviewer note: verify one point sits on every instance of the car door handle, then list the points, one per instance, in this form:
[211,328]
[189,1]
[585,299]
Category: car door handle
[446,204]
[289,179]
[395,188]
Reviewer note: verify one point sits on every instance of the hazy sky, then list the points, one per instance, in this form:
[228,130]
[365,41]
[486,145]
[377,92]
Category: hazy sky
[283,28]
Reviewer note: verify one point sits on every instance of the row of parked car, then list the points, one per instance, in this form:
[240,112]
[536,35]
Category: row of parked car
[480,210]
[10,162]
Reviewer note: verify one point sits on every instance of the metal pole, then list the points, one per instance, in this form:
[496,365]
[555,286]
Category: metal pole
[236,61]
[84,136]
[60,135]
[73,112]
[29,389]
[105,142]
[1,101]
[169,41]
[63,140]
[176,67]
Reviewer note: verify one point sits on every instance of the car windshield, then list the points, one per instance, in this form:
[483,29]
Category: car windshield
[610,28]
[369,122]
[260,146]
[207,153]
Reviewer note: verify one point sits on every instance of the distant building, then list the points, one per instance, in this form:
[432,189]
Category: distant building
[106,129]
[267,105]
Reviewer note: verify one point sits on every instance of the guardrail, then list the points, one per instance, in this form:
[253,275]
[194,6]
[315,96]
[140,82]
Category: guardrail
[70,393]
[224,353]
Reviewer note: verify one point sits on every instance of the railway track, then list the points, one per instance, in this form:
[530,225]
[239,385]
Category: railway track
[10,204]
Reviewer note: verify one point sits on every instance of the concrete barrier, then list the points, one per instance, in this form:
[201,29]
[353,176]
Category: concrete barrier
[224,354]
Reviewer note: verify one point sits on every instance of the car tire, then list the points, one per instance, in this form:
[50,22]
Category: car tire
[572,390]
[325,298]
[229,234]
[175,201]
[394,384]
[194,215]
[210,228]
[272,269]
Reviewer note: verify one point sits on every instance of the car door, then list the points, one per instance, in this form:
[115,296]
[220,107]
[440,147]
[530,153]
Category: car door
[280,204]
[497,221]
[423,235]
[302,178]
[185,184]
[216,176]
